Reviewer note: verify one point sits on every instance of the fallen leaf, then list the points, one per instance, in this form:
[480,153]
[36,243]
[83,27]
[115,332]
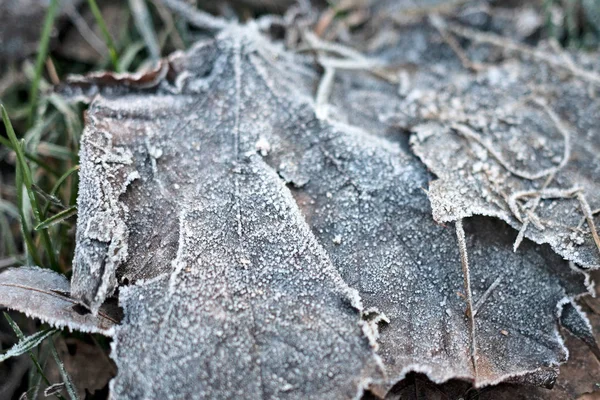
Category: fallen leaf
[231,294]
[179,194]
[514,140]
[44,294]
[502,148]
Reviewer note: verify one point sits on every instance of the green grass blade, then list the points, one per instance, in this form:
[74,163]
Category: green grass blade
[41,58]
[36,380]
[34,359]
[55,219]
[16,146]
[26,344]
[109,42]
[10,247]
[31,250]
[64,374]
[28,182]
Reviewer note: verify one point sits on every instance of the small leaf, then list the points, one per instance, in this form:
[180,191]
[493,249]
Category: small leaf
[44,294]
[54,389]
[27,344]
[55,219]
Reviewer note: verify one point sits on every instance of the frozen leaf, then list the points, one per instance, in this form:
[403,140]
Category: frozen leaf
[230,294]
[233,293]
[577,323]
[363,198]
[519,143]
[44,294]
[578,376]
[507,137]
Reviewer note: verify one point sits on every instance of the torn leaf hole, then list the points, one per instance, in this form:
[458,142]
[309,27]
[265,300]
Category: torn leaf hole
[80,309]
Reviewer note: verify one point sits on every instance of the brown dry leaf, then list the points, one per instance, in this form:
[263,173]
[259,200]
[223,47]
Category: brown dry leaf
[88,366]
[509,130]
[520,144]
[578,378]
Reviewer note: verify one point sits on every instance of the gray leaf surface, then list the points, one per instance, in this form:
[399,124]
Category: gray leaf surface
[510,130]
[44,294]
[235,294]
[516,139]
[363,197]
[512,144]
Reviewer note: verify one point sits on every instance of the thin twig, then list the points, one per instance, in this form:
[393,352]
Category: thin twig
[451,41]
[323,92]
[464,260]
[544,193]
[596,211]
[445,7]
[499,41]
[196,17]
[317,43]
[536,202]
[471,134]
[83,28]
[487,294]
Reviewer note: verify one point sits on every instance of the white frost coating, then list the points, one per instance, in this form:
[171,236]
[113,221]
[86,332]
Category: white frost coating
[231,287]
[256,309]
[44,294]
[492,156]
[573,319]
[102,234]
[405,264]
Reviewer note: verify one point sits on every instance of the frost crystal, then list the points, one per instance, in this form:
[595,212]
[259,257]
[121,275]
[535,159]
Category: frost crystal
[234,284]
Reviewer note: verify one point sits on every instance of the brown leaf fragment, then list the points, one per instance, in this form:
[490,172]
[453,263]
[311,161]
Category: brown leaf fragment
[578,378]
[89,368]
[44,294]
[502,149]
[230,294]
[409,268]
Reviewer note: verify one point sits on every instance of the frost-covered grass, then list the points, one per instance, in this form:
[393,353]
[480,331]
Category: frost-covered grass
[39,145]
